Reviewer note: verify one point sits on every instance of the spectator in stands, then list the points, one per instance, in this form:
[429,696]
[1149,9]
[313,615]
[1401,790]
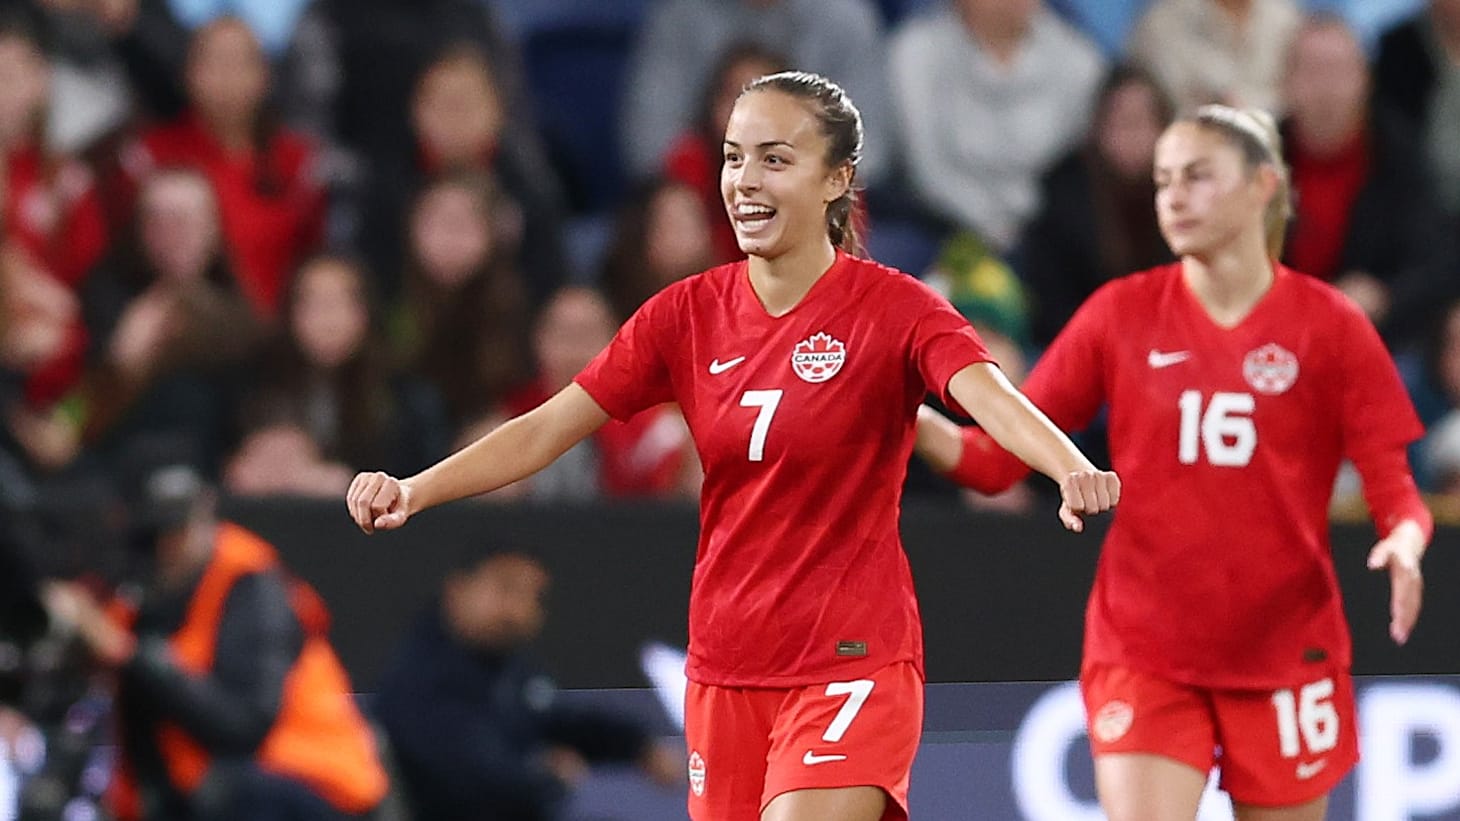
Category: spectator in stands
[1228,51]
[477,726]
[1365,219]
[682,40]
[695,156]
[231,701]
[325,400]
[462,324]
[172,326]
[650,455]
[461,122]
[357,63]
[354,65]
[265,175]
[983,288]
[89,94]
[1436,390]
[38,321]
[662,235]
[1418,76]
[989,93]
[271,21]
[52,216]
[1095,222]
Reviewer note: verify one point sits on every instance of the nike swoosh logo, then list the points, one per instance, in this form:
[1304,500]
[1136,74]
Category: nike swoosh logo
[812,758]
[1308,769]
[1157,359]
[717,367]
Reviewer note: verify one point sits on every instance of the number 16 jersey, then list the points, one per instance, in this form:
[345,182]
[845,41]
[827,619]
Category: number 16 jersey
[804,423]
[1217,570]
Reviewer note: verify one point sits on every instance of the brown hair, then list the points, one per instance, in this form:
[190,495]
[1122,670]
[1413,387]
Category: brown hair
[1254,132]
[469,340]
[364,404]
[841,124]
[269,180]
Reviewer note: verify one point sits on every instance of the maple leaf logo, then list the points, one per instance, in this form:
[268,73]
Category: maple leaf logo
[818,358]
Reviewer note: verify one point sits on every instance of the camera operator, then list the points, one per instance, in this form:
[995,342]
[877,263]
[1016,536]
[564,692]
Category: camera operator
[231,702]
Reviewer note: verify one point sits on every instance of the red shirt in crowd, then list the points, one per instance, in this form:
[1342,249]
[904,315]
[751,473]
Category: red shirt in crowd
[52,209]
[642,456]
[271,200]
[54,214]
[1327,188]
[696,164]
[1217,570]
[804,424]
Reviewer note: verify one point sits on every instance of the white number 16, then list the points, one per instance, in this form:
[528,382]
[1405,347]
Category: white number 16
[1310,715]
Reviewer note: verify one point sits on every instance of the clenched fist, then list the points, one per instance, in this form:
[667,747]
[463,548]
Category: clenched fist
[379,501]
[1087,492]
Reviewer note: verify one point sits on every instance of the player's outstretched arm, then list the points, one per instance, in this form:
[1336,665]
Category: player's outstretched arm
[514,451]
[1023,430]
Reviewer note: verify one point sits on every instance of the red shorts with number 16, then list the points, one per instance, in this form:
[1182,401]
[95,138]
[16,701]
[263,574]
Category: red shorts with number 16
[1276,748]
[749,745]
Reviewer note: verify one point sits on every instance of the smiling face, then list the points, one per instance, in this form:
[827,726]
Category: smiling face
[1206,196]
[775,180]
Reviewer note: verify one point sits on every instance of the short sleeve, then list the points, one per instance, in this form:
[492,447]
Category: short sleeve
[943,343]
[1377,412]
[632,374]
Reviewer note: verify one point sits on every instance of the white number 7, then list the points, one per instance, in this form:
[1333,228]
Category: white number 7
[767,402]
[858,690]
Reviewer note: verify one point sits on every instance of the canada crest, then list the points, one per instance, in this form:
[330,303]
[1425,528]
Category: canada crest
[819,358]
[697,772]
[1113,720]
[1271,369]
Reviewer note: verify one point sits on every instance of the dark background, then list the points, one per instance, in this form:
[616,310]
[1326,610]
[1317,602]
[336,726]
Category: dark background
[1002,597]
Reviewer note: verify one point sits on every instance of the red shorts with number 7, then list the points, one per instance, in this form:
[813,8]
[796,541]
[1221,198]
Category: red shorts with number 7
[1276,748]
[749,745]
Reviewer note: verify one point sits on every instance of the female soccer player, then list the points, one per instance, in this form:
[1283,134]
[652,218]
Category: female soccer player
[1235,387]
[799,372]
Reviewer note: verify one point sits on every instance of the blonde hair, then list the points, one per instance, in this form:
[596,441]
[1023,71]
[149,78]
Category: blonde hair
[1254,132]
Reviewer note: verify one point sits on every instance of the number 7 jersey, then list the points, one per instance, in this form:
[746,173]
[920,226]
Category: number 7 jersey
[1217,570]
[804,423]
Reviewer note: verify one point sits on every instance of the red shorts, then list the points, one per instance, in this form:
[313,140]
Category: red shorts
[1276,748]
[749,745]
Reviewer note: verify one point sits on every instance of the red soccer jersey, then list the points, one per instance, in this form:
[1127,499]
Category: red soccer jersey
[1217,570]
[804,424]
[271,203]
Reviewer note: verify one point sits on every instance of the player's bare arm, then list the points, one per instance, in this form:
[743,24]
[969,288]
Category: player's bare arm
[940,440]
[514,451]
[1023,430]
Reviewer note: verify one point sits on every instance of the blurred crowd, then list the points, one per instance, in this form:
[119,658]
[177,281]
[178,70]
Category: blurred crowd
[311,237]
[294,239]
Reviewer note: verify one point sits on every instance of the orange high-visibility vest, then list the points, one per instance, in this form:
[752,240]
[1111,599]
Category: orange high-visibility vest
[319,737]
